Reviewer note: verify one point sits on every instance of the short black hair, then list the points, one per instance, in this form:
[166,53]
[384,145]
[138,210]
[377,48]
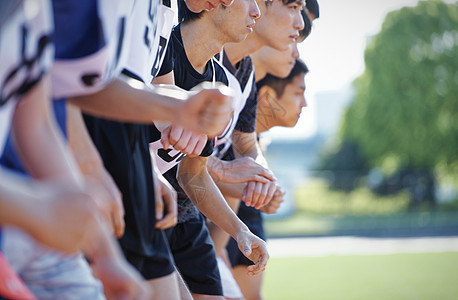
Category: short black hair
[313,7]
[285,2]
[184,14]
[279,84]
[305,32]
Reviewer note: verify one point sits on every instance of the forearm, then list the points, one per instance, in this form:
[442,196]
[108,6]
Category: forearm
[100,244]
[193,178]
[231,190]
[16,204]
[39,142]
[246,144]
[220,237]
[120,101]
[84,150]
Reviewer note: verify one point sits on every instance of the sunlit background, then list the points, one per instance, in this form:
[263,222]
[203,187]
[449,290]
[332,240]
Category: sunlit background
[348,176]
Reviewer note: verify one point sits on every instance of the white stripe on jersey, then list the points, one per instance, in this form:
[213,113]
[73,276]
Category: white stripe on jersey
[81,76]
[89,74]
[240,99]
[165,159]
[26,54]
[150,33]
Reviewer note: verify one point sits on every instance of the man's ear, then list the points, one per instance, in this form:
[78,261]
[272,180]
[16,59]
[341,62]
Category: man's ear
[266,95]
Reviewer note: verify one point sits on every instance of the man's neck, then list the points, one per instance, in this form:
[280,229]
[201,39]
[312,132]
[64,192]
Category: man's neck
[237,51]
[200,43]
[259,70]
[263,122]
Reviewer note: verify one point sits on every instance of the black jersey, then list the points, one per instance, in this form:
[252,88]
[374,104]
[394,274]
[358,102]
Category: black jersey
[246,122]
[186,77]
[242,71]
[124,146]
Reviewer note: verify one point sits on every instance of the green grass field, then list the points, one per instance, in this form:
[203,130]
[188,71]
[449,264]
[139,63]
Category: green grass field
[375,277]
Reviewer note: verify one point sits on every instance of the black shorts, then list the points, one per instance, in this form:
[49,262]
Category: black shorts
[157,265]
[194,255]
[253,219]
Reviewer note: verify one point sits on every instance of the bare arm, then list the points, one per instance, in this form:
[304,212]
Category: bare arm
[91,165]
[231,189]
[256,193]
[205,112]
[38,209]
[199,186]
[38,140]
[245,144]
[219,236]
[239,170]
[67,209]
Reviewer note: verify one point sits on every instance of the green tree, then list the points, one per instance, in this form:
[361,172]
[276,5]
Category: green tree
[405,112]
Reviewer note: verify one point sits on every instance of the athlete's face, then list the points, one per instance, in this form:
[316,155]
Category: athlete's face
[279,23]
[292,101]
[278,63]
[236,21]
[197,6]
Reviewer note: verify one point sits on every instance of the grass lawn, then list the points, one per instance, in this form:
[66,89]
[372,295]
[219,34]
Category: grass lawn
[377,277]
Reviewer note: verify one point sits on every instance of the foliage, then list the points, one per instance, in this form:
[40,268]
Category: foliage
[346,165]
[315,198]
[405,112]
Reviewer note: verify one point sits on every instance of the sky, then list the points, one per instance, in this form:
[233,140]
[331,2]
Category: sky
[334,52]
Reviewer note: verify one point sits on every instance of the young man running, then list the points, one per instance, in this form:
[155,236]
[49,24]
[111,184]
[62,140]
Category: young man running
[87,51]
[194,42]
[26,50]
[286,95]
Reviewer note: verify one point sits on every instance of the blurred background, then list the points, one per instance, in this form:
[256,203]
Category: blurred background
[373,160]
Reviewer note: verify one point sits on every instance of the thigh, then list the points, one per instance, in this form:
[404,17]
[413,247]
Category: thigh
[166,287]
[158,263]
[231,289]
[194,256]
[250,285]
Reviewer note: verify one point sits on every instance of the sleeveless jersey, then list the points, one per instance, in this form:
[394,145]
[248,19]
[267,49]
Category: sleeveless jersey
[124,146]
[90,38]
[150,31]
[186,77]
[25,53]
[241,79]
[224,141]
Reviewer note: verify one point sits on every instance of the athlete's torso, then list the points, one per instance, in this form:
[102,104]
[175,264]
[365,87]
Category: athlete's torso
[25,53]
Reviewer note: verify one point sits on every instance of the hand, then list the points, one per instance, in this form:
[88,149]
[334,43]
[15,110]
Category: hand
[275,203]
[109,200]
[166,202]
[209,111]
[240,170]
[183,140]
[116,207]
[61,218]
[120,280]
[254,249]
[257,194]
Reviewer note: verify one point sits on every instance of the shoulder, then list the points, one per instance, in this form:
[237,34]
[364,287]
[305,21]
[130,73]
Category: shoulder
[25,46]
